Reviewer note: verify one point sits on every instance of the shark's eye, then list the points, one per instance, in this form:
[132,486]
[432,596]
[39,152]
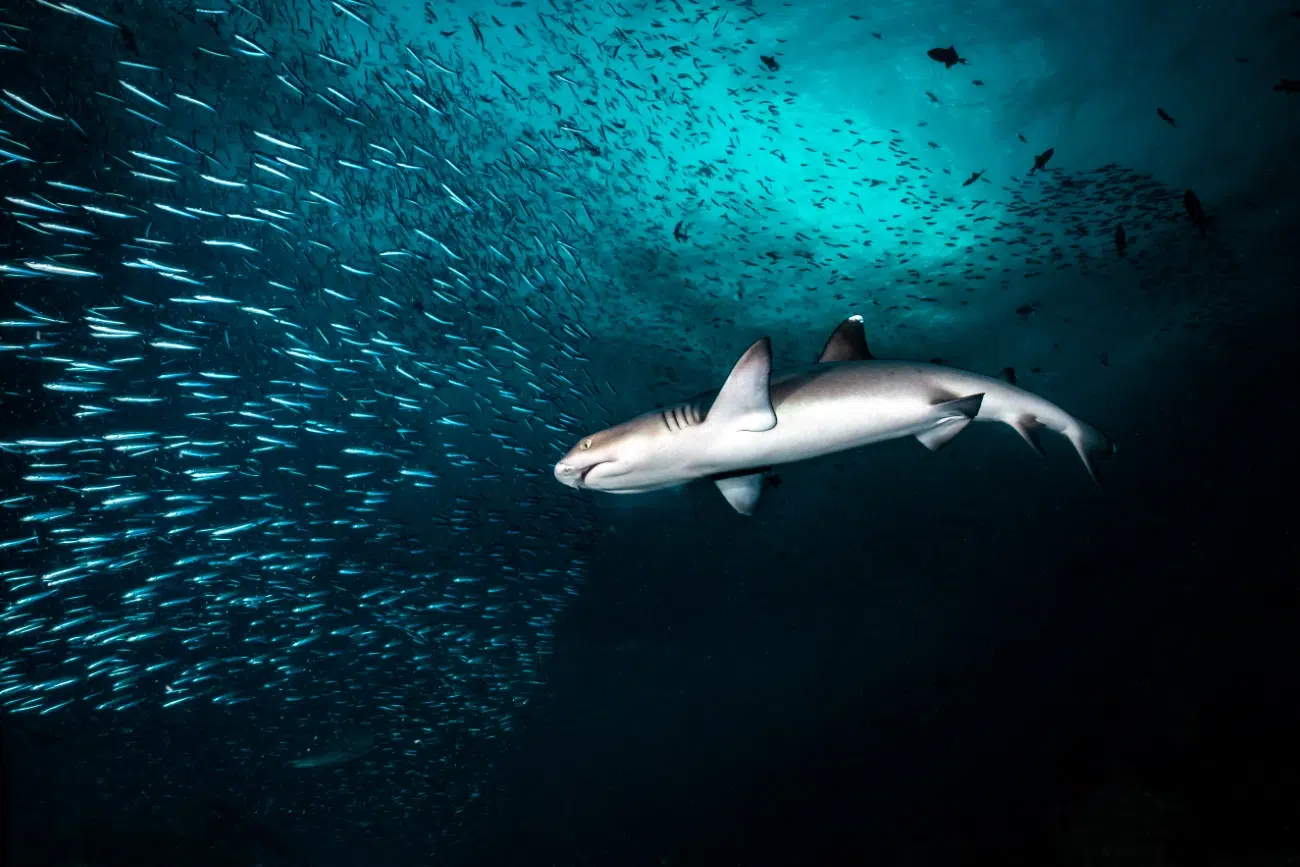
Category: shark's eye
[586,444]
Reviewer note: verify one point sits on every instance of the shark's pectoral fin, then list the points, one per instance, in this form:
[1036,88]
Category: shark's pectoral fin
[942,433]
[1029,427]
[950,419]
[744,402]
[848,342]
[741,490]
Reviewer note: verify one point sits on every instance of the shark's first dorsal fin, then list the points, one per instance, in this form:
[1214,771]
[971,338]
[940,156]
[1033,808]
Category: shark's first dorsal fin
[848,342]
[744,402]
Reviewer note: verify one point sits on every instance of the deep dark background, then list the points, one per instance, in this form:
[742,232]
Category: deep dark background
[904,659]
[1044,675]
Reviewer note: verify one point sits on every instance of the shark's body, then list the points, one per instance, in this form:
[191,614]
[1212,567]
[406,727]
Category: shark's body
[848,399]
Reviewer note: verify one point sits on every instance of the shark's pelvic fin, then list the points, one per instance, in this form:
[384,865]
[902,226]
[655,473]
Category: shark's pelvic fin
[950,419]
[848,342]
[744,402]
[741,490]
[1029,427]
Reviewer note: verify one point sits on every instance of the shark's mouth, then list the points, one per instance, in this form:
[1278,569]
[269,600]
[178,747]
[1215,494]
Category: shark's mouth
[582,479]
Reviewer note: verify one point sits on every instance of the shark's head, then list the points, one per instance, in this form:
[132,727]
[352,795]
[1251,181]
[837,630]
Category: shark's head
[632,457]
[672,446]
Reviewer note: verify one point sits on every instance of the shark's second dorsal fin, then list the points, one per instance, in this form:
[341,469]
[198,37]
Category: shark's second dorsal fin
[848,342]
[744,402]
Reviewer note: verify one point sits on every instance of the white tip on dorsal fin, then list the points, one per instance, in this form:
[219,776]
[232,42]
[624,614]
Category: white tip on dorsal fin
[743,491]
[744,402]
[848,342]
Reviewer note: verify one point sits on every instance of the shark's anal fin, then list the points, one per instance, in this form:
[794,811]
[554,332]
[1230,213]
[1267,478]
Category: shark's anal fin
[744,402]
[742,490]
[1092,446]
[950,419]
[1029,427]
[848,342]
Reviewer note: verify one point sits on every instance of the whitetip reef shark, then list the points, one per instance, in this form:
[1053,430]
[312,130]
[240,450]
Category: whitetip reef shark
[760,419]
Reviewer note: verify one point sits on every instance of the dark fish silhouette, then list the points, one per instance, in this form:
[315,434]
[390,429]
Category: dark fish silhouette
[1022,138]
[1287,85]
[1042,159]
[1192,203]
[679,232]
[1164,115]
[769,62]
[947,56]
[1121,240]
[974,176]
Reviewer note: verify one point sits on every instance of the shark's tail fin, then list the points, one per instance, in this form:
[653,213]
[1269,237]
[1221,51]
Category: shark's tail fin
[1092,446]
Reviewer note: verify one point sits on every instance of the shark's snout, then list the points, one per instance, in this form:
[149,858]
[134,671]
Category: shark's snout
[573,476]
[567,474]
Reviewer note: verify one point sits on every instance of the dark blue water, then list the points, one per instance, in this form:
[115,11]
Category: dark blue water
[303,301]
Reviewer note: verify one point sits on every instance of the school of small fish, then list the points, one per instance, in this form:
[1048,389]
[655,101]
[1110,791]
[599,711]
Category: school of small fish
[298,301]
[284,369]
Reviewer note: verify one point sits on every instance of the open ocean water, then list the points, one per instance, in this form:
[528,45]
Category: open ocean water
[302,301]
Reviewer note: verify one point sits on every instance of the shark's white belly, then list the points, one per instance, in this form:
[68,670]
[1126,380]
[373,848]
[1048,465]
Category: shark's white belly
[809,430]
[827,408]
